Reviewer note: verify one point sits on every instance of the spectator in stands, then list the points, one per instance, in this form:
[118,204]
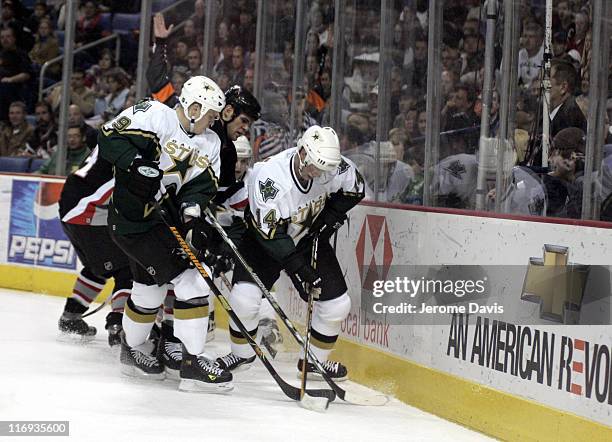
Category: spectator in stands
[531,56]
[237,71]
[224,62]
[395,175]
[40,12]
[12,17]
[222,80]
[451,58]
[564,109]
[271,131]
[194,62]
[421,124]
[45,48]
[189,34]
[400,140]
[44,138]
[76,153]
[15,71]
[113,103]
[361,123]
[97,75]
[89,28]
[559,44]
[461,104]
[79,93]
[178,80]
[472,56]
[75,118]
[418,67]
[566,18]
[249,79]
[246,30]
[582,23]
[222,31]
[17,133]
[179,57]
[199,16]
[563,183]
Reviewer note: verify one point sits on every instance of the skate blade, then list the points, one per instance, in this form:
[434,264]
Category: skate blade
[317,377]
[134,372]
[74,338]
[193,386]
[173,375]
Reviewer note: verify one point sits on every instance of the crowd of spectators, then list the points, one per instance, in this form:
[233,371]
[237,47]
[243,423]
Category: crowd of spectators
[100,88]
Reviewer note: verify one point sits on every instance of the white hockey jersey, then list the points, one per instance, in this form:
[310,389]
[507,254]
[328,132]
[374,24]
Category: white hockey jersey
[277,197]
[150,129]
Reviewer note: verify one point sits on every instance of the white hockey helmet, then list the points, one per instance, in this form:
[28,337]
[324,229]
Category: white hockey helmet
[243,147]
[322,148]
[205,92]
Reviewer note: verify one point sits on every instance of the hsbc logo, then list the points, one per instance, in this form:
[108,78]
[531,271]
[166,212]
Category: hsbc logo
[374,251]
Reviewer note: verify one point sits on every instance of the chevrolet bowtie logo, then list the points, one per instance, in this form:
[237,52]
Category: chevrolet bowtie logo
[555,283]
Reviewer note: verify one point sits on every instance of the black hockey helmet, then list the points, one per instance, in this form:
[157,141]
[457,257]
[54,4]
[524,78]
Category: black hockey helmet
[243,102]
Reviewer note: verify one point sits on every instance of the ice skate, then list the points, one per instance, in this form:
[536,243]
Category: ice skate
[140,361]
[336,371]
[199,374]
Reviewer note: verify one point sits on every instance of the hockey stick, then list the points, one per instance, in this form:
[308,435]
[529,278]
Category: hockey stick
[318,399]
[353,398]
[100,307]
[313,263]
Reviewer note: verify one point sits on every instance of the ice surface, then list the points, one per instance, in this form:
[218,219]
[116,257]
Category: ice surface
[44,379]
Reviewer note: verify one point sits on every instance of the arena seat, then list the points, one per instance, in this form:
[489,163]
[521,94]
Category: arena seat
[126,23]
[158,5]
[106,22]
[35,164]
[14,164]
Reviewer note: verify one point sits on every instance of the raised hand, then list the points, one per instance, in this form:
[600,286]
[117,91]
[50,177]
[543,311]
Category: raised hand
[159,26]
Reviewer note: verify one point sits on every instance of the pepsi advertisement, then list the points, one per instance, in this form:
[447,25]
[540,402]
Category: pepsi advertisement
[35,233]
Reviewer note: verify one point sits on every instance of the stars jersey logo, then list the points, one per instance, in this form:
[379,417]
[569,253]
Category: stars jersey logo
[456,169]
[343,167]
[268,190]
[180,167]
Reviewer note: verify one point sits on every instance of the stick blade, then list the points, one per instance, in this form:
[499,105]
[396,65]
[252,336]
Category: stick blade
[318,404]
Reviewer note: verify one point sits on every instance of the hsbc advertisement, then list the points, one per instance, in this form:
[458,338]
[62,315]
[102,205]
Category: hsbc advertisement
[33,233]
[540,329]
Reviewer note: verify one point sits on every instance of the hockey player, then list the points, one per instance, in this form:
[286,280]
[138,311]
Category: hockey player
[83,211]
[230,215]
[301,191]
[157,151]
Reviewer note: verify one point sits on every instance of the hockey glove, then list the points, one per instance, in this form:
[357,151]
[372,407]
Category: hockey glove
[303,274]
[218,263]
[327,223]
[144,179]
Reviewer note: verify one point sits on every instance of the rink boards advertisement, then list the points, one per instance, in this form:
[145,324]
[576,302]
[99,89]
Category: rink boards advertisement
[551,344]
[539,336]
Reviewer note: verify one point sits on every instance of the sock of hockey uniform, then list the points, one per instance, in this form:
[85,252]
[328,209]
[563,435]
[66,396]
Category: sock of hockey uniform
[191,309]
[140,311]
[86,288]
[245,299]
[191,323]
[327,317]
[169,306]
[122,289]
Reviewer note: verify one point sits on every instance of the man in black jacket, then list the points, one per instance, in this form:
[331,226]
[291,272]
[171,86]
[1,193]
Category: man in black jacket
[564,110]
